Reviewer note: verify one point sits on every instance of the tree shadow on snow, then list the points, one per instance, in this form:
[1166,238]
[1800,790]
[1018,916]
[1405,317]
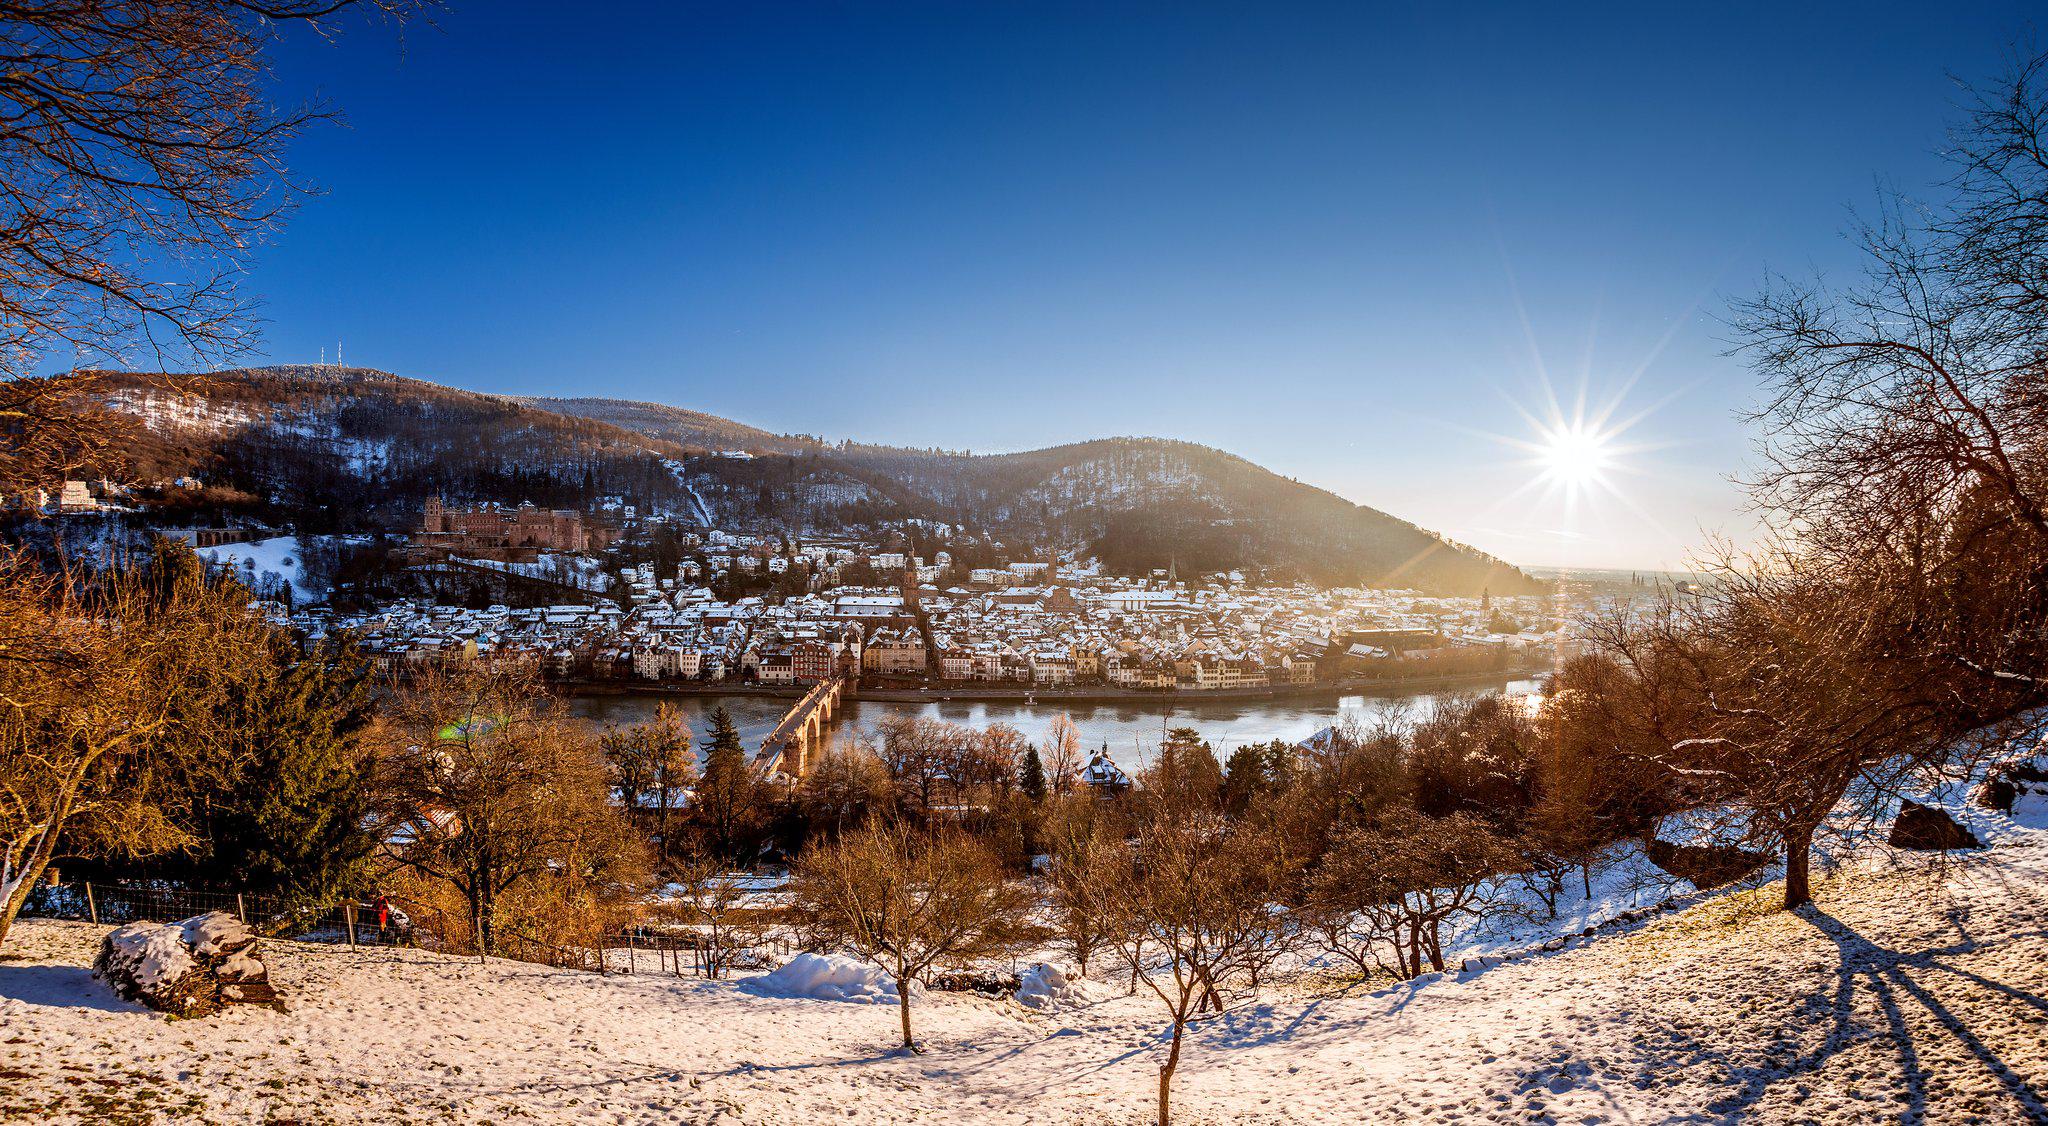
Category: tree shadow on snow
[60,987]
[1894,981]
[654,1073]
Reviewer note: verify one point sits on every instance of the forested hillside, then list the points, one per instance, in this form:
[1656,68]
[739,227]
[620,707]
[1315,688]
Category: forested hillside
[342,449]
[692,430]
[332,449]
[1144,503]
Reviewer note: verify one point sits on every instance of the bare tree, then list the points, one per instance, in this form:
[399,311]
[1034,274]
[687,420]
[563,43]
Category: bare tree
[1184,775]
[989,763]
[1589,783]
[1086,853]
[105,687]
[1800,698]
[715,903]
[1395,888]
[651,764]
[493,791]
[845,788]
[910,900]
[1345,782]
[1062,753]
[1906,429]
[920,753]
[143,163]
[1203,896]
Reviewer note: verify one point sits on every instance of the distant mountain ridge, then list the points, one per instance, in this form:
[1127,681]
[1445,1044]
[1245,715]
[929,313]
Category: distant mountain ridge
[329,448]
[684,427]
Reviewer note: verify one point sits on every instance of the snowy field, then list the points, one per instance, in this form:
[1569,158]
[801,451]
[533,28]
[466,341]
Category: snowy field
[1913,993]
[262,565]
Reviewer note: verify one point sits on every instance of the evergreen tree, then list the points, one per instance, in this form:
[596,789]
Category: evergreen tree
[1246,776]
[1031,778]
[729,798]
[292,822]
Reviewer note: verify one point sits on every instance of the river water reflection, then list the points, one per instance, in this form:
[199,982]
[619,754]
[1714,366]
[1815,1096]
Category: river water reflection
[1131,730]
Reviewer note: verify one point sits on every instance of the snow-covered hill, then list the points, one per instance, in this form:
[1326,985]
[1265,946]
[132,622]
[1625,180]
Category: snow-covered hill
[328,449]
[1911,992]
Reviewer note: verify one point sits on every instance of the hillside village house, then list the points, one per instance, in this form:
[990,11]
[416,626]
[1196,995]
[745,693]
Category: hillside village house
[1039,626]
[868,606]
[891,652]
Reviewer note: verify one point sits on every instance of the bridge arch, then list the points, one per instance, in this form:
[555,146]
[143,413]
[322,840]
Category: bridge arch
[791,749]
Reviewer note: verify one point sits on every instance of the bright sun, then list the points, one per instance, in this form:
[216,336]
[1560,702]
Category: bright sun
[1575,454]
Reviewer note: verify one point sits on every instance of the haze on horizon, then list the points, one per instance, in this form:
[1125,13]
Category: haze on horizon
[1356,245]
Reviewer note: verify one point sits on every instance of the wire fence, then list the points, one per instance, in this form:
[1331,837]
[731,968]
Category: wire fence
[350,922]
[398,922]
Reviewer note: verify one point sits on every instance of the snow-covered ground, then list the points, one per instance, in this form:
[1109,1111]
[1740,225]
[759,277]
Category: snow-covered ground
[262,565]
[1913,992]
[681,474]
[579,571]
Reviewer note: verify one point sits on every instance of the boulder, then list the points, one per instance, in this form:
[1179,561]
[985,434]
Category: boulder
[1704,866]
[1998,795]
[988,983]
[1928,829]
[189,968]
[2023,770]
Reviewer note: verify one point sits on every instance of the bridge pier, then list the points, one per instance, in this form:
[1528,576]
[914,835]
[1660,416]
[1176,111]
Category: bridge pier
[791,748]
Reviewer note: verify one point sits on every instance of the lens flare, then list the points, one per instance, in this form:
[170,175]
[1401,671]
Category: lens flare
[1575,453]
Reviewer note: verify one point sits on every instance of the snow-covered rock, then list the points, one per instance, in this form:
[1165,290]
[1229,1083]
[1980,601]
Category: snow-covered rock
[190,968]
[1706,866]
[1481,963]
[1997,795]
[1047,989]
[829,977]
[1929,829]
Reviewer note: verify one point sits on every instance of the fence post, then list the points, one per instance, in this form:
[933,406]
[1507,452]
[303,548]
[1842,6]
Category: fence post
[92,909]
[241,909]
[348,914]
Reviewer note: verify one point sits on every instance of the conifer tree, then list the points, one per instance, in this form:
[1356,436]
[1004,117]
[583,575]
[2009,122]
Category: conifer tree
[729,798]
[293,821]
[1031,777]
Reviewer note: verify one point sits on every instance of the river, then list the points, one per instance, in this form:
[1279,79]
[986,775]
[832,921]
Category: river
[1131,730]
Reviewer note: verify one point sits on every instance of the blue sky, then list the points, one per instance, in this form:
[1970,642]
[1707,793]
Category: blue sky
[1344,241]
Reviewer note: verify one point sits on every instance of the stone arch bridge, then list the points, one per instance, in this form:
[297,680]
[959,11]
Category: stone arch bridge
[793,747]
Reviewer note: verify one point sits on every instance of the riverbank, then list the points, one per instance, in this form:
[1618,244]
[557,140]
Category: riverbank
[971,693]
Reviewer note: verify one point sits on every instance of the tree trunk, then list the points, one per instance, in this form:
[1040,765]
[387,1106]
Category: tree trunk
[482,906]
[1166,1074]
[15,887]
[1798,862]
[1435,946]
[22,881]
[903,1008]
